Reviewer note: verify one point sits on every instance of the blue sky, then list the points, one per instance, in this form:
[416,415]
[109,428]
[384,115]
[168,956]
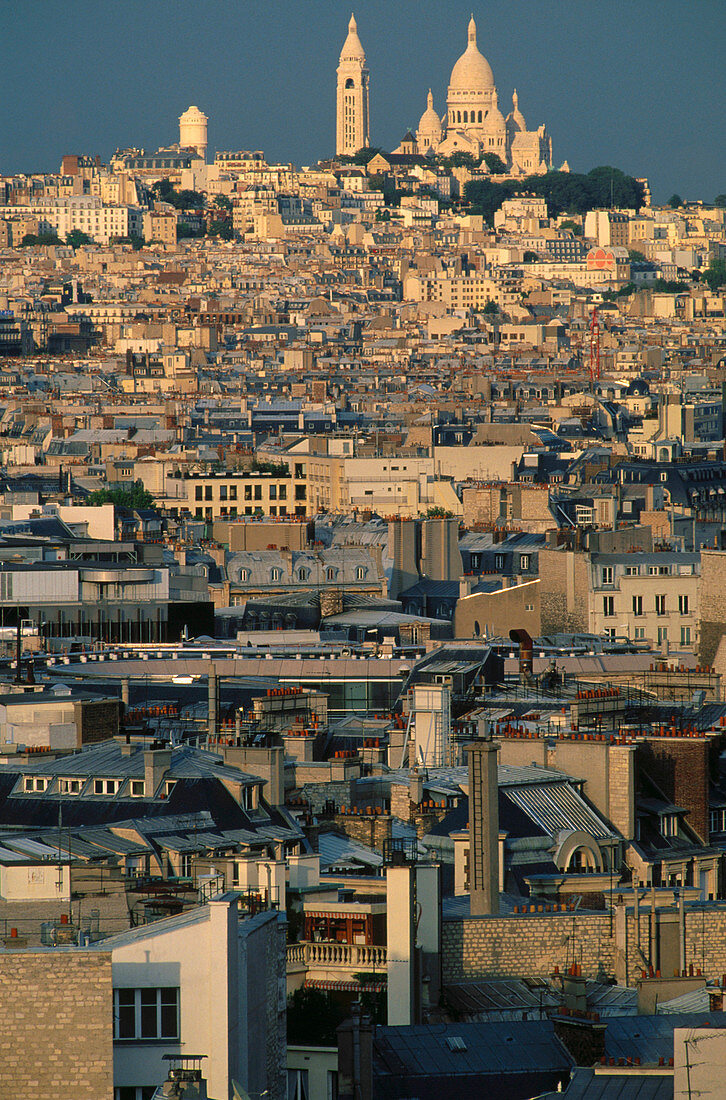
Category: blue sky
[640,84]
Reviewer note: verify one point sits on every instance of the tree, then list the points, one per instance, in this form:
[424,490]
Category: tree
[223,202]
[530,257]
[495,164]
[574,227]
[137,497]
[77,237]
[564,192]
[40,238]
[221,228]
[715,274]
[720,200]
[636,256]
[362,156]
[675,201]
[491,309]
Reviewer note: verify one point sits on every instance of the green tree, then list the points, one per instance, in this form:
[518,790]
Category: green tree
[636,256]
[675,201]
[715,274]
[184,229]
[530,257]
[495,164]
[312,1017]
[491,309]
[223,202]
[77,237]
[574,227]
[720,200]
[137,497]
[221,227]
[40,238]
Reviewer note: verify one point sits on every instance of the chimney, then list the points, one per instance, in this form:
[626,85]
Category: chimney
[483,828]
[213,700]
[526,647]
[156,764]
[355,1057]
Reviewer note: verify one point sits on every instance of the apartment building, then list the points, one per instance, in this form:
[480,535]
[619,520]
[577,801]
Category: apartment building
[651,598]
[86,213]
[227,494]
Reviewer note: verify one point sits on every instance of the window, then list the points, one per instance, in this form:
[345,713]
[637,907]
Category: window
[222,492]
[639,633]
[303,574]
[273,492]
[233,492]
[608,606]
[275,574]
[146,1013]
[361,573]
[185,865]
[685,635]
[283,494]
[669,825]
[637,605]
[248,492]
[197,492]
[524,560]
[207,492]
[69,786]
[662,634]
[105,786]
[660,605]
[134,1092]
[330,574]
[35,783]
[137,788]
[631,570]
[683,605]
[717,821]
[297,1084]
[499,562]
[607,574]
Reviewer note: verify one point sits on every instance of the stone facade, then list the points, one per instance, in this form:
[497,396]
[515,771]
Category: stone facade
[564,586]
[533,944]
[712,605]
[680,767]
[57,1013]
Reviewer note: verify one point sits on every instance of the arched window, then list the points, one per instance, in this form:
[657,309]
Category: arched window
[480,116]
[477,629]
[244,574]
[303,573]
[349,82]
[458,116]
[275,575]
[330,573]
[360,573]
[466,116]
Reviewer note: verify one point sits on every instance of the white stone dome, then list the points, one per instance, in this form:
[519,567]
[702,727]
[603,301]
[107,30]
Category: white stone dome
[472,72]
[430,123]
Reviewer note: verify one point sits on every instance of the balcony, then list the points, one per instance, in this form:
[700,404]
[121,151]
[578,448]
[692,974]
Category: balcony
[334,961]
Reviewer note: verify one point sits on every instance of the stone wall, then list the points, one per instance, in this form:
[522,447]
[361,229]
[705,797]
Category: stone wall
[370,829]
[57,1037]
[533,944]
[712,604]
[526,946]
[564,587]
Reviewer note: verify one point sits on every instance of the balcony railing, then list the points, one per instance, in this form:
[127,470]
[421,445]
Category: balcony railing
[336,956]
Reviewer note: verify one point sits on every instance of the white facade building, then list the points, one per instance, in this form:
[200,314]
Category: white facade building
[353,122]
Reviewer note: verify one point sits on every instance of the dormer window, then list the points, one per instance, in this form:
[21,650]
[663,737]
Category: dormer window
[360,573]
[168,787]
[275,575]
[303,574]
[137,788]
[106,786]
[69,786]
[330,574]
[35,783]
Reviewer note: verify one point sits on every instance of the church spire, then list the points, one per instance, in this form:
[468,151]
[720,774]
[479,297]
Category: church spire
[472,31]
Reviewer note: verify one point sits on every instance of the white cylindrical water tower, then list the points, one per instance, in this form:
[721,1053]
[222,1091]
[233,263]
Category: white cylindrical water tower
[193,131]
